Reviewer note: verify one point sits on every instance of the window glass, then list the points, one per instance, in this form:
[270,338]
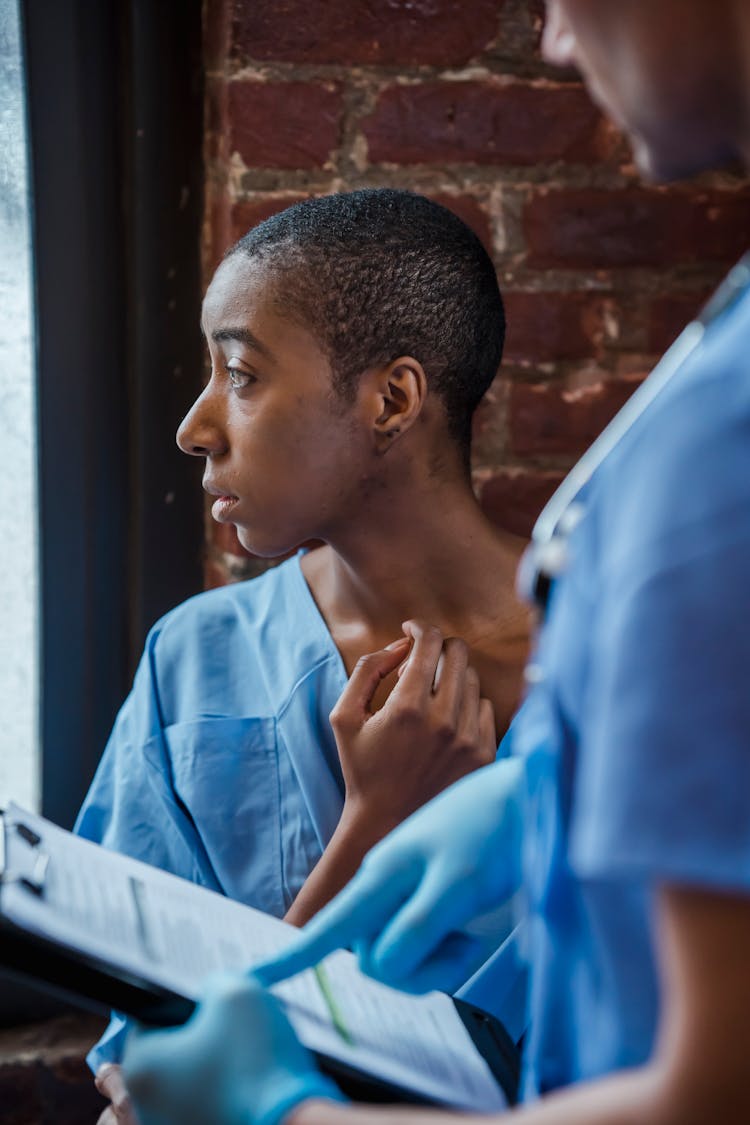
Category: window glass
[19,756]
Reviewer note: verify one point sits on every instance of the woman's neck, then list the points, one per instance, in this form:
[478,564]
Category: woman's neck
[435,556]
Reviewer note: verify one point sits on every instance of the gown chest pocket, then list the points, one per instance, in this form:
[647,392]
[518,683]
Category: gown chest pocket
[226,774]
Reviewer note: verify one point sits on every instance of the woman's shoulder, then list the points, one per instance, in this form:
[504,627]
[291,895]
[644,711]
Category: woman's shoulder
[238,605]
[262,636]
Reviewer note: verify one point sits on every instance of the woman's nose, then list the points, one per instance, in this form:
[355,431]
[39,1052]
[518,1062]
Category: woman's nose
[200,433]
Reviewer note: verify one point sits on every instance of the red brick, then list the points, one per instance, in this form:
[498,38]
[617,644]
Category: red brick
[513,498]
[546,420]
[483,122]
[668,315]
[553,326]
[216,32]
[400,32]
[43,1075]
[215,575]
[216,231]
[224,538]
[284,124]
[537,15]
[468,208]
[249,212]
[634,227]
[215,101]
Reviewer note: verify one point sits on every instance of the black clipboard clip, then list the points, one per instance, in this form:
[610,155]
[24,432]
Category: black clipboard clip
[33,882]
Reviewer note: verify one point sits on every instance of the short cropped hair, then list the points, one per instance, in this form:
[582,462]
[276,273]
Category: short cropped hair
[379,273]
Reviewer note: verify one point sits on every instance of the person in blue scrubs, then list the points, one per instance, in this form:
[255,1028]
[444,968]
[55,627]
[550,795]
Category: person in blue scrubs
[627,799]
[351,338]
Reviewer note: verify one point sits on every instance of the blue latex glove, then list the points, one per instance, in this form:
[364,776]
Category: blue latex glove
[408,912]
[237,1061]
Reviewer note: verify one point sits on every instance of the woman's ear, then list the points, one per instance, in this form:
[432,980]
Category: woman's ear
[398,393]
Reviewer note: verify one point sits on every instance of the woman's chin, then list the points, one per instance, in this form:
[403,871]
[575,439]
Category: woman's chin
[264,547]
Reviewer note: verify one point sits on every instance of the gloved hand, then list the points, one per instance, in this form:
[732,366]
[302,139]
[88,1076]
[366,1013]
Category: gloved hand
[407,913]
[236,1061]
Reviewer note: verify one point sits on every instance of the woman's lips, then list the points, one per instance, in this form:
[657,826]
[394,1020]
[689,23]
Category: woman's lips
[221,507]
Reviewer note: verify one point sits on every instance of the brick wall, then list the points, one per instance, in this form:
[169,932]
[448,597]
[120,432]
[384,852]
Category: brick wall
[44,1079]
[451,97]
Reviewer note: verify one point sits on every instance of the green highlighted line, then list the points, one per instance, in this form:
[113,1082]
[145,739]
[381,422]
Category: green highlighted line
[331,1003]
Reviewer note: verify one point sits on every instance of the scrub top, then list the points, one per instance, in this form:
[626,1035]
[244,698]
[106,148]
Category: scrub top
[222,766]
[637,730]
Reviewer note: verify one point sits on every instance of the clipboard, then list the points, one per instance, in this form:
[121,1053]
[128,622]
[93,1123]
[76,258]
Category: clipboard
[101,985]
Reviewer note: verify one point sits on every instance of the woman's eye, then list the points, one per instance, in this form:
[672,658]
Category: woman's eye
[238,379]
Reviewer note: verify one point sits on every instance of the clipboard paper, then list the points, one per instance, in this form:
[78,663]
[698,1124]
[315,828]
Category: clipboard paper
[119,934]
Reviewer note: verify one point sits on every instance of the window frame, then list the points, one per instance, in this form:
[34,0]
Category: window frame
[115,106]
[115,115]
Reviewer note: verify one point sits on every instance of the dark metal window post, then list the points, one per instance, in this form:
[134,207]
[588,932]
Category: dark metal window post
[115,107]
[115,111]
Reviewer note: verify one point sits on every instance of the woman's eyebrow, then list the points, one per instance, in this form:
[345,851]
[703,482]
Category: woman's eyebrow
[242,336]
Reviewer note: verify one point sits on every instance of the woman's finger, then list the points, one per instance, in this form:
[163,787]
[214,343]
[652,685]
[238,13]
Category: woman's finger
[418,677]
[353,706]
[450,681]
[487,731]
[111,1083]
[468,720]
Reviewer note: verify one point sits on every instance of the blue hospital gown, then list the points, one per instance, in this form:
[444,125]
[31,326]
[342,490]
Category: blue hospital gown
[221,766]
[637,731]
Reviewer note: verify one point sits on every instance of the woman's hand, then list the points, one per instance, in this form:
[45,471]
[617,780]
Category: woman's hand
[111,1084]
[433,729]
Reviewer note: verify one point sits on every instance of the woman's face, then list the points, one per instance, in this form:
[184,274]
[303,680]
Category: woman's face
[287,459]
[662,69]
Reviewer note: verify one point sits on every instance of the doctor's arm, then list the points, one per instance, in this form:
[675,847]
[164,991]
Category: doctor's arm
[238,1060]
[698,1072]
